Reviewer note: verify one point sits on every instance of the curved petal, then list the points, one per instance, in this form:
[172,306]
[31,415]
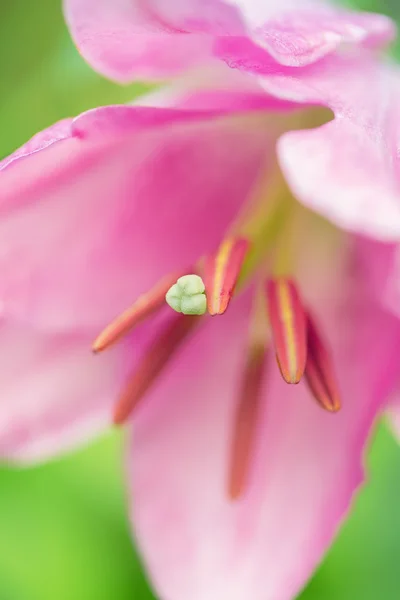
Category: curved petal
[348,169]
[126,196]
[298,33]
[307,464]
[128,40]
[158,38]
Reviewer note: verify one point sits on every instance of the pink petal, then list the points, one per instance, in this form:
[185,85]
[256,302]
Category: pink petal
[55,392]
[348,169]
[381,266]
[131,40]
[197,544]
[127,195]
[297,33]
[158,38]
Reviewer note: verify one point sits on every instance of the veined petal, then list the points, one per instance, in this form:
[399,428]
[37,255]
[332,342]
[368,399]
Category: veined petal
[197,543]
[115,200]
[159,38]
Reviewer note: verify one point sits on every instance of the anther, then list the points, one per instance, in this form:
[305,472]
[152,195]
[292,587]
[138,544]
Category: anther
[288,323]
[221,273]
[145,305]
[319,372]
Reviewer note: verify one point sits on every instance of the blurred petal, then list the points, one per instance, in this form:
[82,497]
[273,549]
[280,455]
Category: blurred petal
[127,195]
[131,40]
[158,38]
[296,33]
[347,170]
[381,267]
[307,466]
[55,392]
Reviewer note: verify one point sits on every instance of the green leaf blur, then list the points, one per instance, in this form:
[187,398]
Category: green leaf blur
[64,525]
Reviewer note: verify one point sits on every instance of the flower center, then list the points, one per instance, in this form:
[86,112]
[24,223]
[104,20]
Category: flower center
[257,248]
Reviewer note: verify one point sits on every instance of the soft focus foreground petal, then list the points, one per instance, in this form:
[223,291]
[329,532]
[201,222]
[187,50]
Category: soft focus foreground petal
[130,194]
[307,463]
[348,170]
[128,39]
[55,392]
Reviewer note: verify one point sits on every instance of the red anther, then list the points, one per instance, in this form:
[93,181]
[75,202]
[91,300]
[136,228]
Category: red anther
[288,323]
[144,306]
[319,372]
[221,272]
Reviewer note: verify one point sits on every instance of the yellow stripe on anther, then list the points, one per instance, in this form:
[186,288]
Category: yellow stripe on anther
[288,323]
[288,320]
[221,261]
[221,272]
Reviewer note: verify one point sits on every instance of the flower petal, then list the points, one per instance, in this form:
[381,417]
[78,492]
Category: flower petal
[131,40]
[381,266]
[55,392]
[158,38]
[126,196]
[307,462]
[347,170]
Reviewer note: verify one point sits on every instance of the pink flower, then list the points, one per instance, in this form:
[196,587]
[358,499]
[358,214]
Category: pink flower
[130,39]
[239,480]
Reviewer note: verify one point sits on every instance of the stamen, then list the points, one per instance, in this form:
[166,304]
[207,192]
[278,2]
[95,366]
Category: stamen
[221,272]
[319,372]
[246,421]
[151,365]
[288,323]
[144,306]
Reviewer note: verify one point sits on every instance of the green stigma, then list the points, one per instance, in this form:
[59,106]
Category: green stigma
[187,295]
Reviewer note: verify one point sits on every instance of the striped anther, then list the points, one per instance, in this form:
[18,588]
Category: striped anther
[144,306]
[320,373]
[221,272]
[288,324]
[245,424]
[151,365]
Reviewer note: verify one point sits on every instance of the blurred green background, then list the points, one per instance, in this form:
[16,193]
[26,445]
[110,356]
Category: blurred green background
[63,526]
